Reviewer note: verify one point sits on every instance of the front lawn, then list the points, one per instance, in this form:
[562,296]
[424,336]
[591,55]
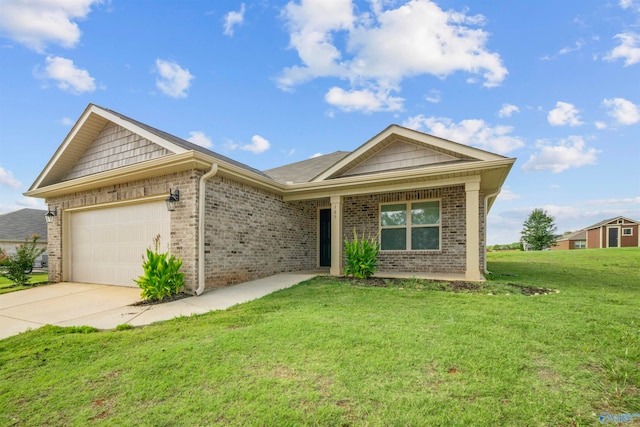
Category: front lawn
[329,353]
[7,286]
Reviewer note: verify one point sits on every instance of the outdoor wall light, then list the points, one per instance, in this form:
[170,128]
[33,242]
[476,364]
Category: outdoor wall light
[172,199]
[50,214]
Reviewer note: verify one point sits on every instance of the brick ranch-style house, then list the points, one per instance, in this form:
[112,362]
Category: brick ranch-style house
[426,199]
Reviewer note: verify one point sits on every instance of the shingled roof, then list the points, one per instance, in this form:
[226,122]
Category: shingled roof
[22,224]
[576,235]
[183,143]
[305,170]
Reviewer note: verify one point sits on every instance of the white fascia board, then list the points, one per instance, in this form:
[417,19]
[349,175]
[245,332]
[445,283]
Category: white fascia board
[140,131]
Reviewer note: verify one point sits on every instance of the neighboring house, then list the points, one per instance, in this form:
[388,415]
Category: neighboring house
[426,198]
[575,240]
[21,225]
[618,232]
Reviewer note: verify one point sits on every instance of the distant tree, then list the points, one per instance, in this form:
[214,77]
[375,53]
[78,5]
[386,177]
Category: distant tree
[539,230]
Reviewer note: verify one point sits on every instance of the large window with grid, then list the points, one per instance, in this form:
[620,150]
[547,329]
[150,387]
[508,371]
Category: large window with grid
[410,226]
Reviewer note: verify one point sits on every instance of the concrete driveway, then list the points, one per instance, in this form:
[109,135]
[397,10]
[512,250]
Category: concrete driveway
[105,307]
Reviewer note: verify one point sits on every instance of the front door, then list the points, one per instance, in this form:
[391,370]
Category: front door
[613,237]
[325,238]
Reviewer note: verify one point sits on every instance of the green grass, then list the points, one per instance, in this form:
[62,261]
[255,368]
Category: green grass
[329,353]
[7,286]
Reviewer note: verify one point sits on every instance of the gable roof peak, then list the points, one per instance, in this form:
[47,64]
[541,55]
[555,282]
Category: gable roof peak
[91,122]
[394,133]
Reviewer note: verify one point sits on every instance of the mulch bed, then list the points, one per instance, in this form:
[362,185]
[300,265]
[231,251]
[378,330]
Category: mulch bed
[175,297]
[441,285]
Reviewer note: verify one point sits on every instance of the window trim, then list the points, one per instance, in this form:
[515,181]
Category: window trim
[629,229]
[408,226]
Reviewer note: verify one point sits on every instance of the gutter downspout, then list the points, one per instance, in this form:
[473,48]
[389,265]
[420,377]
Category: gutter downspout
[486,206]
[201,213]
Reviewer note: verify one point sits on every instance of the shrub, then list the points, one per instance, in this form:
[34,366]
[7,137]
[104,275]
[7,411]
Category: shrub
[19,265]
[362,256]
[162,277]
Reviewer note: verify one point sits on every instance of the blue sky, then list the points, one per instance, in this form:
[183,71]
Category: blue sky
[554,83]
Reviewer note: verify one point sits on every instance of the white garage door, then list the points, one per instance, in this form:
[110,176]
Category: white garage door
[108,245]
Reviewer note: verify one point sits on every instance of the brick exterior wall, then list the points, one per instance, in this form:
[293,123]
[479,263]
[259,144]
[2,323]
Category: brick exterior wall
[250,233]
[183,220]
[362,213]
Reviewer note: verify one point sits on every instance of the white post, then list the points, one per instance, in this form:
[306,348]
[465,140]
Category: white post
[336,235]
[472,190]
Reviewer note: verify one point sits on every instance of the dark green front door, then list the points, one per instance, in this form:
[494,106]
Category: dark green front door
[325,238]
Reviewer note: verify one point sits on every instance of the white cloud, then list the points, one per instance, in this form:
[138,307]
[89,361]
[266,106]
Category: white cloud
[574,48]
[363,100]
[21,203]
[376,50]
[600,125]
[569,153]
[606,202]
[433,96]
[31,202]
[473,132]
[629,49]
[625,112]
[174,80]
[68,77]
[564,114]
[199,138]
[626,4]
[230,145]
[38,23]
[507,110]
[313,156]
[258,145]
[233,19]
[67,121]
[7,179]
[507,194]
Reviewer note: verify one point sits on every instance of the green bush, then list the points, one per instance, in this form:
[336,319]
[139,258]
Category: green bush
[162,277]
[362,256]
[18,266]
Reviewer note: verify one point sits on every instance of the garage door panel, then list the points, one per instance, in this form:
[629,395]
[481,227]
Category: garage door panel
[108,245]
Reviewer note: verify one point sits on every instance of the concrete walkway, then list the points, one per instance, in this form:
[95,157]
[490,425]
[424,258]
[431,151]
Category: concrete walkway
[105,307]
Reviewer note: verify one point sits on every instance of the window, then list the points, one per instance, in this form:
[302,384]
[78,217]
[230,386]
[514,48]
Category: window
[411,226]
[627,231]
[580,244]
